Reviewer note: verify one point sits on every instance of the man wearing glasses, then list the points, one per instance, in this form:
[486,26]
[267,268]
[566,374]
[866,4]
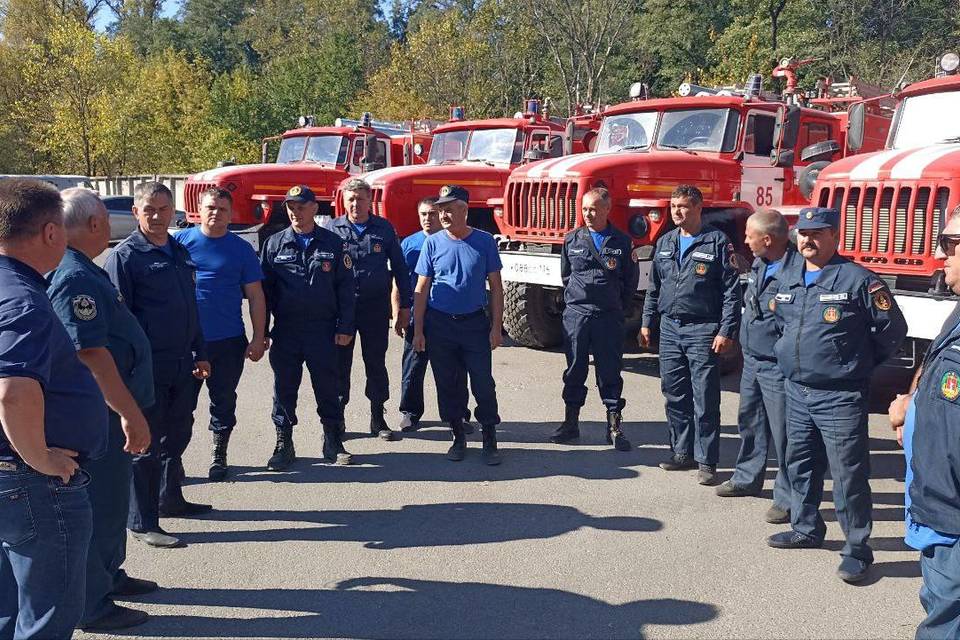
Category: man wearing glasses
[926,420]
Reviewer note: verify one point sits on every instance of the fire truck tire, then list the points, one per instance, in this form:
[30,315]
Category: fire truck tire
[531,315]
[807,177]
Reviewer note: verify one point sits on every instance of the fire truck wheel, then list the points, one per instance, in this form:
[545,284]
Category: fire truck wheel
[808,177]
[531,315]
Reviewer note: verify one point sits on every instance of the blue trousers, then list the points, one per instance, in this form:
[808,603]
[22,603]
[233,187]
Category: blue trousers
[940,593]
[373,327]
[227,358]
[828,429]
[45,533]
[460,348]
[601,335]
[414,364]
[158,474]
[110,501]
[690,380]
[291,348]
[762,419]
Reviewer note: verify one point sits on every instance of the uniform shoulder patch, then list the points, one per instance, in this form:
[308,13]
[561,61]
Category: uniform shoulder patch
[950,385]
[882,300]
[347,261]
[84,307]
[875,286]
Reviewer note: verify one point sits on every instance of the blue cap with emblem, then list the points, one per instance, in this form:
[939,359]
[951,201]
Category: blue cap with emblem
[300,193]
[451,192]
[818,218]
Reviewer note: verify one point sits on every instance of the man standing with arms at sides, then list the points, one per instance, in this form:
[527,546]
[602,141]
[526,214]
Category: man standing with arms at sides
[309,288]
[837,322]
[227,271]
[415,362]
[599,281]
[762,402]
[112,345]
[156,278]
[372,244]
[695,293]
[454,269]
[53,418]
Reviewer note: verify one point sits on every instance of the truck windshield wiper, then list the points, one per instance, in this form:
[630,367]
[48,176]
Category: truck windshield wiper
[677,147]
[483,160]
[634,147]
[949,140]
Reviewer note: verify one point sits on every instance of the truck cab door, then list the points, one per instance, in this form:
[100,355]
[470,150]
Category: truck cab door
[762,185]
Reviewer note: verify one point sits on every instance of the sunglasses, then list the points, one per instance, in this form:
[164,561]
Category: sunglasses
[948,243]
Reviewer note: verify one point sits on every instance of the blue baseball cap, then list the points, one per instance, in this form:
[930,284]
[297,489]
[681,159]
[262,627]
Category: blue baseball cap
[300,193]
[818,218]
[452,192]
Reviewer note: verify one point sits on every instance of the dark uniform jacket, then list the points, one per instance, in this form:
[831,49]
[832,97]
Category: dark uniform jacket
[758,327]
[371,252]
[160,291]
[304,287]
[935,490]
[834,332]
[94,315]
[598,281]
[704,288]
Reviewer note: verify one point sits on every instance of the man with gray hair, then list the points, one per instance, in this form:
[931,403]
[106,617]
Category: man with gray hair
[762,400]
[372,244]
[111,343]
[156,277]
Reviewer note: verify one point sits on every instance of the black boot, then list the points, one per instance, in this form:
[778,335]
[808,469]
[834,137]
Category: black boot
[218,468]
[378,426]
[333,450]
[490,454]
[283,454]
[614,432]
[458,449]
[569,429]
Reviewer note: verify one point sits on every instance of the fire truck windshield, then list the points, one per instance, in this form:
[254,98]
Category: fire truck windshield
[491,146]
[628,131]
[699,129]
[927,119]
[321,149]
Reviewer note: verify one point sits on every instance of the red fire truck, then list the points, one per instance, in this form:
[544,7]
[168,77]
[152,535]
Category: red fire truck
[895,202]
[743,149]
[317,156]
[478,155]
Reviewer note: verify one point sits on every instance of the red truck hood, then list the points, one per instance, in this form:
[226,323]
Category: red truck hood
[285,174]
[668,166]
[935,162]
[469,175]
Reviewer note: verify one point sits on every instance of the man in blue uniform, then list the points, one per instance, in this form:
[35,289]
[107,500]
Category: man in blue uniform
[454,269]
[837,323]
[928,416]
[694,291]
[155,275]
[599,280]
[309,288]
[372,245]
[762,415]
[414,362]
[228,270]
[113,346]
[54,419]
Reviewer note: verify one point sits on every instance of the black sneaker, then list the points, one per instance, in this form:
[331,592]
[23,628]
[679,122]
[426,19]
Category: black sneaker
[777,515]
[678,463]
[117,618]
[852,570]
[184,510]
[729,489]
[130,587]
[707,475]
[408,423]
[792,540]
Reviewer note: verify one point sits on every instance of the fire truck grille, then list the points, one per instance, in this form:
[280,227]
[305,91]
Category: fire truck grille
[191,194]
[376,204]
[888,225]
[547,208]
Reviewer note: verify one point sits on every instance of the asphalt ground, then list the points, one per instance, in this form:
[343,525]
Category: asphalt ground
[575,541]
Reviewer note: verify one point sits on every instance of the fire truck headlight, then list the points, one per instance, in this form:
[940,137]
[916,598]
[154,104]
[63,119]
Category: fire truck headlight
[655,215]
[949,62]
[638,225]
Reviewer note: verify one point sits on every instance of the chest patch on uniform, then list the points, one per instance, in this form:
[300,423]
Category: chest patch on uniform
[666,253]
[326,265]
[612,252]
[831,314]
[158,266]
[875,286]
[882,301]
[834,297]
[576,252]
[284,258]
[84,307]
[950,385]
[772,305]
[325,255]
[700,268]
[347,262]
[611,263]
[377,247]
[699,255]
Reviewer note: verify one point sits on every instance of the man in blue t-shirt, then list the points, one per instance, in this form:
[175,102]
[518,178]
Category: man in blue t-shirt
[454,269]
[227,271]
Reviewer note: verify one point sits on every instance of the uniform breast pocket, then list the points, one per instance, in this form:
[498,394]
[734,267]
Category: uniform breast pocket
[946,384]
[16,525]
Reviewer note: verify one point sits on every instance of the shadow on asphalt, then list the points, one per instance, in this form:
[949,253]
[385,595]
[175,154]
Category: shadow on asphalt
[381,608]
[414,526]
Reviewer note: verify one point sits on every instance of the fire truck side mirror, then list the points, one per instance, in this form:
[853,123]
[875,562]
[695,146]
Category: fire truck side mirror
[856,116]
[783,158]
[371,160]
[786,127]
[568,138]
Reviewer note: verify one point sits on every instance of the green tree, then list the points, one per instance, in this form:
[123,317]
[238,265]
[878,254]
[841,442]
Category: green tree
[210,31]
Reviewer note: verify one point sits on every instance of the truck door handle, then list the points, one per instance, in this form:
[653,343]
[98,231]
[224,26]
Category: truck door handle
[780,179]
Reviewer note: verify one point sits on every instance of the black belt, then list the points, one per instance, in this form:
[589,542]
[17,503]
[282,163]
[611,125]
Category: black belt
[459,316]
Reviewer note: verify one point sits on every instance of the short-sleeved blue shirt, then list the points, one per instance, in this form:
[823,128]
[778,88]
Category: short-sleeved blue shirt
[224,265]
[34,344]
[458,269]
[94,314]
[411,247]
